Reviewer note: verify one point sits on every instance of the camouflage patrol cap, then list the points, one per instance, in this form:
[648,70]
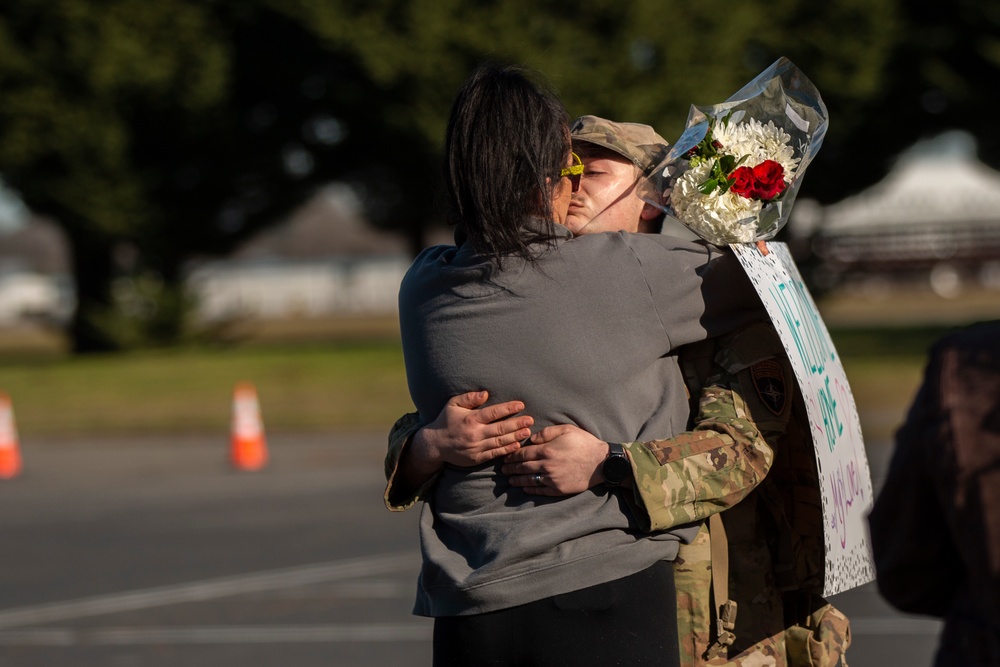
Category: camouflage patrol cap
[638,143]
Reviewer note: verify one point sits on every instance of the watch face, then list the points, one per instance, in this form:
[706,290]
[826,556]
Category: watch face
[616,469]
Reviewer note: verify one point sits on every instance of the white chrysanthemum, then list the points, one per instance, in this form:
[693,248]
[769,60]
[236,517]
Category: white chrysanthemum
[729,217]
[760,142]
[721,218]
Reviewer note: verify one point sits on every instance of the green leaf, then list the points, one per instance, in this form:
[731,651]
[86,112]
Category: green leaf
[709,186]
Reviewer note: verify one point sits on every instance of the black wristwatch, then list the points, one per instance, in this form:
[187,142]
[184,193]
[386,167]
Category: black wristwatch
[616,468]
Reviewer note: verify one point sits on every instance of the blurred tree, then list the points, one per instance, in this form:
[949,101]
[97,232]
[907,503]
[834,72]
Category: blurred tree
[154,132]
[940,75]
[644,60]
[71,74]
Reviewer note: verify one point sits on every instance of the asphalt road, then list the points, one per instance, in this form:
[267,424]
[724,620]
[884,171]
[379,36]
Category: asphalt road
[152,552]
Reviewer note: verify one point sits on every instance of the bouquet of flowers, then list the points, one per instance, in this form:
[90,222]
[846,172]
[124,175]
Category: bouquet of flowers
[733,174]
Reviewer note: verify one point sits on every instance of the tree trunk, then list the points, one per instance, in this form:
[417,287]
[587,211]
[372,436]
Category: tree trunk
[92,271]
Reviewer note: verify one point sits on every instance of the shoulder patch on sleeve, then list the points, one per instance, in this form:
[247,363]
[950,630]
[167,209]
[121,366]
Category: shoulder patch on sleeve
[769,381]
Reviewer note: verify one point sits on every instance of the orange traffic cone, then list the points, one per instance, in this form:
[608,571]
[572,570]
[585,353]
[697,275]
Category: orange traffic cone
[10,450]
[248,448]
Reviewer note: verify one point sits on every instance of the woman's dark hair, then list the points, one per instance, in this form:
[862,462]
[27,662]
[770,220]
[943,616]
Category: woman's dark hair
[506,135]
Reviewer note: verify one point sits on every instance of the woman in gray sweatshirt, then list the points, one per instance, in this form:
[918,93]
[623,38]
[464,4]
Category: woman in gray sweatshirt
[581,332]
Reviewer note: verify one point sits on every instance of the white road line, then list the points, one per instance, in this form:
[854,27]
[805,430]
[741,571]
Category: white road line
[282,634]
[894,625]
[204,590]
[358,590]
[243,634]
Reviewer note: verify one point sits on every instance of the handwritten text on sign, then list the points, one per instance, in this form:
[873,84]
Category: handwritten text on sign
[833,417]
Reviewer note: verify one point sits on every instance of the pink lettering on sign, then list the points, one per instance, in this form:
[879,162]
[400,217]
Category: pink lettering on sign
[846,487]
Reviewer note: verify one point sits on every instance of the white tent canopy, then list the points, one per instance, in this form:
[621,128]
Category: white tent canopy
[937,182]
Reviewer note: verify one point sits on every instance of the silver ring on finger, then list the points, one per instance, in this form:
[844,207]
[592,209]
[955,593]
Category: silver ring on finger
[538,479]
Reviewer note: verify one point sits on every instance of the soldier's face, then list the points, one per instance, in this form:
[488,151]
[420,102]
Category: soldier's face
[606,200]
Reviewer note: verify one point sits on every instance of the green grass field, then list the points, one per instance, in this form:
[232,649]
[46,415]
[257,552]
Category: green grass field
[348,379]
[301,387]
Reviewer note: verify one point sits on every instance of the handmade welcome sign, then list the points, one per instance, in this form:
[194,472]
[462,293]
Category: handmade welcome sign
[833,416]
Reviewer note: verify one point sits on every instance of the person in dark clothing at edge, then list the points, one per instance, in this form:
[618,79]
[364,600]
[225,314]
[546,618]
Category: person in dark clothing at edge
[935,527]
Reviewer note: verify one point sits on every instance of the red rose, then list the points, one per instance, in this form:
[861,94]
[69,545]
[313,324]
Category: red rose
[769,180]
[742,182]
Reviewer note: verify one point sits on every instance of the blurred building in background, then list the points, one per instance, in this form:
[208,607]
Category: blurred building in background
[34,267]
[325,261]
[35,283]
[934,219]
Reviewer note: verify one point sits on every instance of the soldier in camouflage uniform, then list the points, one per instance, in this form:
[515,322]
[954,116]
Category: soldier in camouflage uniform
[744,427]
[775,533]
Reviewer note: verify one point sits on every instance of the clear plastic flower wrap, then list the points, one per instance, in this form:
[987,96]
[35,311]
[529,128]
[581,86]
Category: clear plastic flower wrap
[733,175]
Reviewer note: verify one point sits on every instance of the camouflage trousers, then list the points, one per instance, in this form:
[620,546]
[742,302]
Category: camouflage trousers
[769,632]
[760,613]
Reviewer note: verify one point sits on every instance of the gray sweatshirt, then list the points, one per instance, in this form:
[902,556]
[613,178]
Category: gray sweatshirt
[582,336]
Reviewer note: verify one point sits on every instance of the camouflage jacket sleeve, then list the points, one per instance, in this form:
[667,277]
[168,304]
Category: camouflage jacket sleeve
[744,405]
[399,438]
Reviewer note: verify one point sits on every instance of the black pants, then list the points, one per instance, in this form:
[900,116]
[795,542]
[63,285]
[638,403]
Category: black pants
[631,621]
